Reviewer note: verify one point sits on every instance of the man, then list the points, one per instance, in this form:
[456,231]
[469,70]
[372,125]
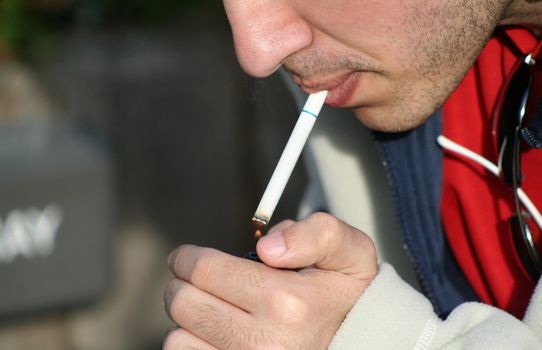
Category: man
[394,63]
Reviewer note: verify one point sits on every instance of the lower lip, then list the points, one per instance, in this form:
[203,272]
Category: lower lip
[340,95]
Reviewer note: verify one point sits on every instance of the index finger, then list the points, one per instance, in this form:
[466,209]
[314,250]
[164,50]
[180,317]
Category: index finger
[238,281]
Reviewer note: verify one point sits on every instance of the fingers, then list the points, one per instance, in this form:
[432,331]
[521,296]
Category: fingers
[224,302]
[207,317]
[235,280]
[323,241]
[180,339]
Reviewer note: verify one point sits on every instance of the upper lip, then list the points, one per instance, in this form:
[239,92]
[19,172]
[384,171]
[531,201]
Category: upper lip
[316,85]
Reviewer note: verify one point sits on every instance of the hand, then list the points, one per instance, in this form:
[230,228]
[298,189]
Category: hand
[226,302]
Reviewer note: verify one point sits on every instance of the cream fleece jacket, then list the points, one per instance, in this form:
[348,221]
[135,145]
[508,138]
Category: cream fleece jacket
[348,179]
[392,315]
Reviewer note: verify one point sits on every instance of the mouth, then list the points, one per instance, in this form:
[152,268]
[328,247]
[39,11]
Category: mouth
[340,88]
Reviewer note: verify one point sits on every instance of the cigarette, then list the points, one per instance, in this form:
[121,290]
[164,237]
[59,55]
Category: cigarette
[289,158]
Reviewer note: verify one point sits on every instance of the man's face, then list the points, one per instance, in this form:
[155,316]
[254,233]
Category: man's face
[393,62]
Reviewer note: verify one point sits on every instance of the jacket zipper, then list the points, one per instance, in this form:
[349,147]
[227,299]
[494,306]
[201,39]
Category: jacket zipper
[407,239]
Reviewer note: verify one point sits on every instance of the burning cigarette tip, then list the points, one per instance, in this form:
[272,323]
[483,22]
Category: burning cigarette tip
[258,234]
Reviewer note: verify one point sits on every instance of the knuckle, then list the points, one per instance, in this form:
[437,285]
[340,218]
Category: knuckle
[320,217]
[180,308]
[179,304]
[329,227]
[327,222]
[169,295]
[289,307]
[203,266]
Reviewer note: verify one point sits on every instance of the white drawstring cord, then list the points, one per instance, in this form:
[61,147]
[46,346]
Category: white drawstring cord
[452,146]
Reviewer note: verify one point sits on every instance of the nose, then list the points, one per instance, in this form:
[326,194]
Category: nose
[266,32]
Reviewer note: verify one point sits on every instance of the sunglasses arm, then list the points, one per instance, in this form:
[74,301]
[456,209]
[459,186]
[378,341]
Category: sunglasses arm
[456,148]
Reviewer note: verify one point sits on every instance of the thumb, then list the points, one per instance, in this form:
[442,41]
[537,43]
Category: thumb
[322,241]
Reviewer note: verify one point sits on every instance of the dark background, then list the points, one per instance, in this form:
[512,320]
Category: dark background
[189,142]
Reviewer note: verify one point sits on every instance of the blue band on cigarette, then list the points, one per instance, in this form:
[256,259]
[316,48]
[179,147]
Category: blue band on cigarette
[309,112]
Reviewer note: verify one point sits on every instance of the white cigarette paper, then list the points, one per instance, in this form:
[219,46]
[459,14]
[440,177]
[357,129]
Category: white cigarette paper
[289,157]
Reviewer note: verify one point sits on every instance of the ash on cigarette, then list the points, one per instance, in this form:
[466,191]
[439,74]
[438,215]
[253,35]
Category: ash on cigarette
[259,225]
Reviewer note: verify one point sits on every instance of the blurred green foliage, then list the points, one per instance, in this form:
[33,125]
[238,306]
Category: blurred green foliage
[22,23]
[27,26]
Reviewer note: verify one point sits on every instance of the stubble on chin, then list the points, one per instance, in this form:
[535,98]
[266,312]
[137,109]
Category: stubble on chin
[393,118]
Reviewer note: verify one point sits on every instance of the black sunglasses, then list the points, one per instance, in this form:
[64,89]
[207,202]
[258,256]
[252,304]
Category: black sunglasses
[517,123]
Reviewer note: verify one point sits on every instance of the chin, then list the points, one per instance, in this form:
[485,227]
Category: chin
[389,119]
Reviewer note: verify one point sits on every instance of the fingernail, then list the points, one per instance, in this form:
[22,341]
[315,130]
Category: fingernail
[273,244]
